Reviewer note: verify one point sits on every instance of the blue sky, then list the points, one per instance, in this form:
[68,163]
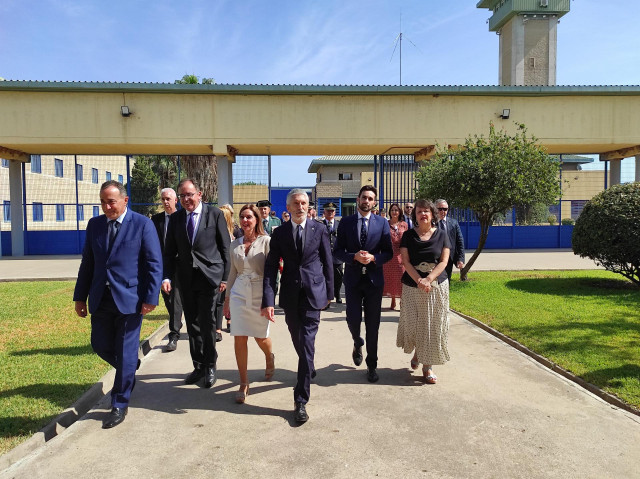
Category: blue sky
[347,42]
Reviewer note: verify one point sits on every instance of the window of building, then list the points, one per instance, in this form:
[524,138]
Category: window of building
[37,211]
[79,175]
[319,178]
[59,167]
[6,210]
[80,212]
[108,176]
[36,164]
[96,211]
[94,175]
[59,212]
[345,176]
[121,179]
[5,163]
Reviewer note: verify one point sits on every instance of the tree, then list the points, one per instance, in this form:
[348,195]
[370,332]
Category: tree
[608,230]
[144,186]
[193,80]
[490,176]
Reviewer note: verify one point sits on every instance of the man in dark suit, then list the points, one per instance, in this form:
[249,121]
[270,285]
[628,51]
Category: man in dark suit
[331,223]
[306,287]
[172,300]
[198,235]
[120,272]
[452,228]
[364,244]
[408,209]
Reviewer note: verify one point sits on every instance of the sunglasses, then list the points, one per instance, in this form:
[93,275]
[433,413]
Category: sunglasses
[443,209]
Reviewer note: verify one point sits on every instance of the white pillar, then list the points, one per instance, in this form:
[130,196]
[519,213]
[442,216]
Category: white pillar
[553,49]
[615,172]
[15,196]
[225,180]
[637,167]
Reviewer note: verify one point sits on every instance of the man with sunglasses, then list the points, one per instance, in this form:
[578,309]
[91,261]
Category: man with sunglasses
[452,228]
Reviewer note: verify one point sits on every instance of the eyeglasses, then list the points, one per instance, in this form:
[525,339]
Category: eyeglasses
[186,196]
[443,209]
[408,207]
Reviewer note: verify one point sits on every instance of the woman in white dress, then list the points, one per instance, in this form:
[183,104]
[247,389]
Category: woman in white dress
[243,301]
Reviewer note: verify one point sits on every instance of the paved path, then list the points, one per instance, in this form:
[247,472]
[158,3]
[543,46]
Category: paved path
[494,413]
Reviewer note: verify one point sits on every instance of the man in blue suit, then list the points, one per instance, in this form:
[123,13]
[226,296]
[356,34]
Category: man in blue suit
[364,244]
[452,228]
[306,287]
[120,272]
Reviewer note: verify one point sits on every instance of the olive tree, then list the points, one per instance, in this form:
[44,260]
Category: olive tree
[608,230]
[490,175]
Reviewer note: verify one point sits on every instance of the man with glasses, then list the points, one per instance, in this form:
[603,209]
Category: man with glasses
[452,228]
[408,209]
[198,235]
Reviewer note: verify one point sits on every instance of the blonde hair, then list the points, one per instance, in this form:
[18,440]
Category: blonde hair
[227,210]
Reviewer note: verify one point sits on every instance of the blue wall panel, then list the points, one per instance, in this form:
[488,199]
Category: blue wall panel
[5,237]
[54,242]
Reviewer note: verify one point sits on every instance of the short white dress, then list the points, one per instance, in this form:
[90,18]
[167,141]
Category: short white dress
[245,288]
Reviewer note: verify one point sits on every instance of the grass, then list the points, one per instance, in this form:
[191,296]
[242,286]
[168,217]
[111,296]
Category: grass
[588,322]
[46,360]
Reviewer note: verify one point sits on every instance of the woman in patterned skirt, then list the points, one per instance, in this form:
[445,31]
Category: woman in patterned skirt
[424,323]
[393,269]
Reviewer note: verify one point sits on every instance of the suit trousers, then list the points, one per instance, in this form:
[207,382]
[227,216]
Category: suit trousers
[303,323]
[115,337]
[198,301]
[337,279]
[173,303]
[368,297]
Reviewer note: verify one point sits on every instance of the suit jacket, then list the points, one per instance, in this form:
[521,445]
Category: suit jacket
[333,236]
[313,272]
[158,221]
[378,244]
[133,268]
[209,252]
[455,240]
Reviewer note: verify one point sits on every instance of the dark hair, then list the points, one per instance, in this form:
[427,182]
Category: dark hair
[117,184]
[425,204]
[189,180]
[259,229]
[371,188]
[397,206]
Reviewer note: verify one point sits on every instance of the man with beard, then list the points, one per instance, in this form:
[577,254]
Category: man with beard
[364,244]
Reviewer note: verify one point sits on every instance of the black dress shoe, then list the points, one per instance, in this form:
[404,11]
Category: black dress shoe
[115,417]
[209,377]
[194,375]
[172,345]
[300,413]
[372,375]
[218,336]
[338,300]
[357,355]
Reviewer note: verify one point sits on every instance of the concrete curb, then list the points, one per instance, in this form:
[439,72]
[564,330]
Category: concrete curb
[593,389]
[78,409]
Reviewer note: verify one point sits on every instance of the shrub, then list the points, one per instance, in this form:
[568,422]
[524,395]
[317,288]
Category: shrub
[551,219]
[608,230]
[567,221]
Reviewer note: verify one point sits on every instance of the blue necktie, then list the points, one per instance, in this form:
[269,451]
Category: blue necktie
[363,232]
[299,241]
[190,228]
[113,231]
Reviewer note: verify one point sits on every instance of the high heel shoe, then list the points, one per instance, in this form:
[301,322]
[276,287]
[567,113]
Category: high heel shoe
[241,395]
[270,368]
[429,378]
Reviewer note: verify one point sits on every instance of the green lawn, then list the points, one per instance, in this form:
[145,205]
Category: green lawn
[46,360]
[588,322]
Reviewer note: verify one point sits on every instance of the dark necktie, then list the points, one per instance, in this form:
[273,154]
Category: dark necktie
[363,232]
[265,224]
[443,225]
[409,223]
[113,231]
[190,227]
[299,241]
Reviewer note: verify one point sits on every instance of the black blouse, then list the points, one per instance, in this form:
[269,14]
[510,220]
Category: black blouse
[424,251]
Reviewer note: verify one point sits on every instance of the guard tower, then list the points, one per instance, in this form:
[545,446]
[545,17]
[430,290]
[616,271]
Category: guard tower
[528,39]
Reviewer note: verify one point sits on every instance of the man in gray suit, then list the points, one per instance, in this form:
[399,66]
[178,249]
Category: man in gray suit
[198,235]
[452,228]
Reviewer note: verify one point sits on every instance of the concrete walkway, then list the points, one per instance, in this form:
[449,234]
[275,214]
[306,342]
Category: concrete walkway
[494,413]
